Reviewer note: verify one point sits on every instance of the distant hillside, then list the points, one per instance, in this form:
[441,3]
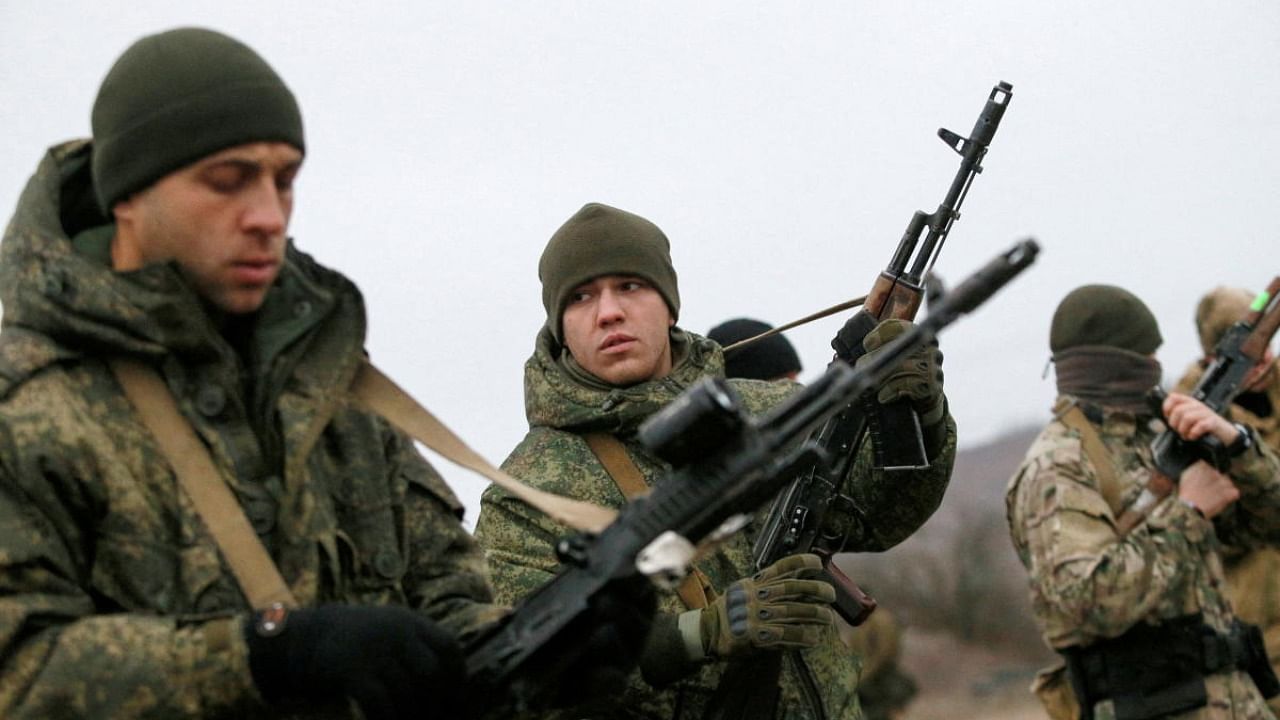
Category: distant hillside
[959,573]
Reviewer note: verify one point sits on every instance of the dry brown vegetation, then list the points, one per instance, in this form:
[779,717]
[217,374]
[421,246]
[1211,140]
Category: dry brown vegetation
[958,588]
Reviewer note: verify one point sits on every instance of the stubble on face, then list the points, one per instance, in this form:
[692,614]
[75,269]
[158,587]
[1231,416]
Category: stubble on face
[617,327]
[223,220]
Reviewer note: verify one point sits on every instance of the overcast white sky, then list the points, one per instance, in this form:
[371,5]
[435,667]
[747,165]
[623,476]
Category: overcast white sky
[781,146]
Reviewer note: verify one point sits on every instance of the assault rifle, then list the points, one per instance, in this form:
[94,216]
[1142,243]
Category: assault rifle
[724,465]
[795,523]
[1240,349]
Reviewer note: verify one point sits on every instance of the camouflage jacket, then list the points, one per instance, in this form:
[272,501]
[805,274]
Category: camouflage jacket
[1088,583]
[553,456]
[1253,575]
[114,600]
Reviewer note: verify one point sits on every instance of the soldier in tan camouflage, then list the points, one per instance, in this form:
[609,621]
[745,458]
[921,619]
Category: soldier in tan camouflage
[1140,617]
[1253,577]
[163,242]
[610,355]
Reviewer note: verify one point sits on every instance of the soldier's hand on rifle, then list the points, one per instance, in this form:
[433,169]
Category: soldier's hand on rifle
[1206,489]
[778,608]
[392,661]
[1192,420]
[613,640]
[919,377]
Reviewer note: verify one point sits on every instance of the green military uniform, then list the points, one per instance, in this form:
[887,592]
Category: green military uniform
[1088,583]
[1253,577]
[561,406]
[114,600]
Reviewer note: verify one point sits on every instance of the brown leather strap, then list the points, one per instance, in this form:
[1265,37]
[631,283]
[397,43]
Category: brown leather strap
[1158,487]
[216,505]
[695,590]
[378,393]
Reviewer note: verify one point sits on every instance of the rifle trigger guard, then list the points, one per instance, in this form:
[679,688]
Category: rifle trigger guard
[836,542]
[666,560]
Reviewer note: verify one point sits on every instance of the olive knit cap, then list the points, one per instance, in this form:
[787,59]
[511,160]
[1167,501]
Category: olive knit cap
[601,240]
[1104,315]
[1218,310]
[178,96]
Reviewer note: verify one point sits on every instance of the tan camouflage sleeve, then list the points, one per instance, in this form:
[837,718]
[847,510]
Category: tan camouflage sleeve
[1254,519]
[60,656]
[1088,582]
[888,506]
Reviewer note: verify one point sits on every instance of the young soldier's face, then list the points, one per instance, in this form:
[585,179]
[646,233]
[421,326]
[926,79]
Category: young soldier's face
[616,327]
[222,219]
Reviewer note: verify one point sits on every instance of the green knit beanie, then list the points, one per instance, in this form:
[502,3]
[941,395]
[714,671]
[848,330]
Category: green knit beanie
[178,96]
[1104,315]
[602,240]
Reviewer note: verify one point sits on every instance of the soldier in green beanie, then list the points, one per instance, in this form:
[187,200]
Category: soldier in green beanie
[1137,608]
[161,245]
[608,356]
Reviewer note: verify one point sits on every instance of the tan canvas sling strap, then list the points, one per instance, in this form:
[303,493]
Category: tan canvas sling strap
[693,591]
[214,502]
[252,566]
[375,391]
[1069,412]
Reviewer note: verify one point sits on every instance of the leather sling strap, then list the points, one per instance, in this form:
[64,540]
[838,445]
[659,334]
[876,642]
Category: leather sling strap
[1108,482]
[613,456]
[253,568]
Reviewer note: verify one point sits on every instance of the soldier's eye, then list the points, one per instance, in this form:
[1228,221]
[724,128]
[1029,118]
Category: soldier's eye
[227,177]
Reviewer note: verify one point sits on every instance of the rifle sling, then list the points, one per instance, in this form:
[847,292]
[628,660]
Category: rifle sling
[1068,411]
[252,566]
[376,392]
[611,453]
[255,572]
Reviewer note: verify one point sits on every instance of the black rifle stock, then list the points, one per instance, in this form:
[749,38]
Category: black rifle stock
[796,519]
[724,465]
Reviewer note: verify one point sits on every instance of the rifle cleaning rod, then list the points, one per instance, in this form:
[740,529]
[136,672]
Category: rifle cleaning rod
[797,323]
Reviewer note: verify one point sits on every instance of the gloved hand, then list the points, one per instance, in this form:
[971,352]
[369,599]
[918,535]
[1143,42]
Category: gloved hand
[778,608]
[393,662]
[919,377]
[619,625]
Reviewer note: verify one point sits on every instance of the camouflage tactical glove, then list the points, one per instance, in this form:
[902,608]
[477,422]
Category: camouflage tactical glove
[393,662]
[919,377]
[778,608]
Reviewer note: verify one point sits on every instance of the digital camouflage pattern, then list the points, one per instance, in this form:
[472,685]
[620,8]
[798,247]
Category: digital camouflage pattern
[1253,576]
[518,540]
[1088,583]
[114,601]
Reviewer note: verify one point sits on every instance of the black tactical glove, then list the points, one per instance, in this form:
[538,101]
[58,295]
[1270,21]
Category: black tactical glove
[393,662]
[615,633]
[917,379]
[778,608]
